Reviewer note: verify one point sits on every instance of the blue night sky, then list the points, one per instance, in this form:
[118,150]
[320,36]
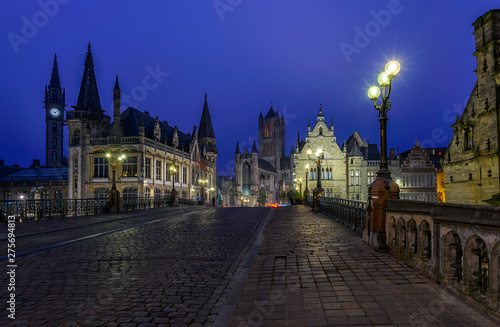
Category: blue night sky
[244,54]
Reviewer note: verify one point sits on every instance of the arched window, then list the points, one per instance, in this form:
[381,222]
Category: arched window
[245,176]
[157,192]
[54,142]
[322,173]
[54,156]
[45,195]
[147,192]
[468,138]
[54,127]
[167,191]
[100,192]
[320,131]
[76,137]
[130,194]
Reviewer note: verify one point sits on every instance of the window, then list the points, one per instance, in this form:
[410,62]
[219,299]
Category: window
[54,142]
[147,168]
[311,174]
[320,131]
[100,167]
[147,192]
[245,174]
[129,194]
[7,196]
[322,173]
[58,194]
[157,192]
[468,138]
[351,178]
[158,169]
[100,193]
[177,174]
[356,177]
[129,167]
[45,195]
[76,137]
[167,191]
[184,175]
[271,130]
[371,177]
[54,127]
[266,130]
[330,173]
[54,156]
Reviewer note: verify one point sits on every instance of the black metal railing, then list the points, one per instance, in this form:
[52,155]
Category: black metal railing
[350,213]
[25,210]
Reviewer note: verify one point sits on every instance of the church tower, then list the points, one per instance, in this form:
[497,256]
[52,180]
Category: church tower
[54,119]
[85,121]
[272,138]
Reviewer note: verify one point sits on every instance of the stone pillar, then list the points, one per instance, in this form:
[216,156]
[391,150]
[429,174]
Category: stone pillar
[375,231]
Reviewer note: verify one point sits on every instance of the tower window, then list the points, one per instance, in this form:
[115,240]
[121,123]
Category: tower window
[54,127]
[54,142]
[271,130]
[266,130]
[320,131]
[76,137]
[54,156]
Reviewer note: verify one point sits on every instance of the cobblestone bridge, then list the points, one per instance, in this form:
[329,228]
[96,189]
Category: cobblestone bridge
[192,266]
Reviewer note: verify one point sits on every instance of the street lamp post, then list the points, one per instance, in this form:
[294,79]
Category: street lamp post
[383,187]
[202,183]
[306,191]
[115,159]
[173,170]
[318,191]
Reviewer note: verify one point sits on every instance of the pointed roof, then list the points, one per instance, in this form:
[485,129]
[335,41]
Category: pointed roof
[260,116]
[237,148]
[254,147]
[271,113]
[88,98]
[54,78]
[320,112]
[206,128]
[117,85]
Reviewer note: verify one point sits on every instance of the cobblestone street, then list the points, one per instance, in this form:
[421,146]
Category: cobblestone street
[175,272]
[219,267]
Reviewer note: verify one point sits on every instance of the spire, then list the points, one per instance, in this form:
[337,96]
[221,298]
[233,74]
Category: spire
[260,116]
[54,78]
[206,128]
[117,85]
[88,98]
[254,147]
[320,112]
[238,148]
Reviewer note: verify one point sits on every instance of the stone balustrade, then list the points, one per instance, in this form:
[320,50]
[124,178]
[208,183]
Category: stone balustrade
[458,245]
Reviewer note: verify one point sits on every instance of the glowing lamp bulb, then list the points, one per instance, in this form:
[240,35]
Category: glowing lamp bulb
[383,79]
[374,92]
[393,67]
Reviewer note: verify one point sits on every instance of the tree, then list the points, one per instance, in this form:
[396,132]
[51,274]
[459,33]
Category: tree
[262,199]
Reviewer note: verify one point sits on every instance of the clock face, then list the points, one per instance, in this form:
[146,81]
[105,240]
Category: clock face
[54,112]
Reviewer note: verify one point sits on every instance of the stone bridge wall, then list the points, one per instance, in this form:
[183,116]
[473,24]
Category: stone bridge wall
[458,245]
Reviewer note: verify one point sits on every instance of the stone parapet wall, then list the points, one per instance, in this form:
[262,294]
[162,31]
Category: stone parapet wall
[458,245]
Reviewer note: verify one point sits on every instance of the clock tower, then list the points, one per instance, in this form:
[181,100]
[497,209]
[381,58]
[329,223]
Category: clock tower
[54,118]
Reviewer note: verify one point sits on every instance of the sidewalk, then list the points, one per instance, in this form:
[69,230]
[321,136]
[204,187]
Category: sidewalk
[310,271]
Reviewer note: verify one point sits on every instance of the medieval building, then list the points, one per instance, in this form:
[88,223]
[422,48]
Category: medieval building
[261,175]
[471,163]
[142,155]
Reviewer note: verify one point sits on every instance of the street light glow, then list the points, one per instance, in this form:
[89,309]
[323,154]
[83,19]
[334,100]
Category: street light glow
[374,92]
[309,152]
[393,67]
[383,79]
